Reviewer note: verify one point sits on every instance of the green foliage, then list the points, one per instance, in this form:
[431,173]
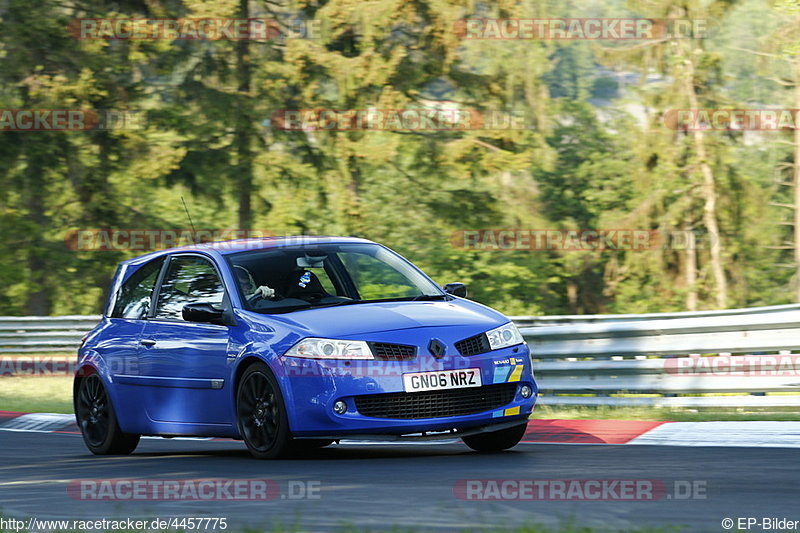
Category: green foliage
[595,152]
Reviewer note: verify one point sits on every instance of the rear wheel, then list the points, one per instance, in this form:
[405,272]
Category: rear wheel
[261,414]
[98,421]
[496,441]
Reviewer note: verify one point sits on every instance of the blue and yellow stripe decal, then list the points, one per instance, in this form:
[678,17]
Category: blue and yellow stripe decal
[507,374]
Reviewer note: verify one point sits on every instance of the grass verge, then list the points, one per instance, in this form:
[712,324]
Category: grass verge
[53,394]
[36,394]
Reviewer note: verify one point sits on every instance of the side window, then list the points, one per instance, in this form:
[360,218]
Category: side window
[189,279]
[133,298]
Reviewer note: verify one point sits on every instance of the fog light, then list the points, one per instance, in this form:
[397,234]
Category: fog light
[525,391]
[339,407]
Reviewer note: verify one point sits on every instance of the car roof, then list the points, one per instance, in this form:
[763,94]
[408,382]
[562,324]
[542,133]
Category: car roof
[244,245]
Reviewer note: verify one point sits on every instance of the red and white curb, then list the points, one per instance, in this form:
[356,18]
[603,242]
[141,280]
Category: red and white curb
[603,432]
[36,422]
[727,434]
[587,431]
[731,434]
[50,423]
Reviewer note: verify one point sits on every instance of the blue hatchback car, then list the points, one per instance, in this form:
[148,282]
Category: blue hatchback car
[293,343]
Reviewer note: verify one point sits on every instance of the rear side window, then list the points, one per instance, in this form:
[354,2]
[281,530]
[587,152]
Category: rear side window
[189,279]
[133,298]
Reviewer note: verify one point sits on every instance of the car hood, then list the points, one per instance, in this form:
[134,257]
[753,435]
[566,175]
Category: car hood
[387,316]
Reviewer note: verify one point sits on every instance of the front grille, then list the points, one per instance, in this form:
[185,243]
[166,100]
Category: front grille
[474,345]
[392,352]
[435,404]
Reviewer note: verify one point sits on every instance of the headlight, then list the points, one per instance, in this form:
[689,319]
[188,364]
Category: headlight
[507,335]
[314,348]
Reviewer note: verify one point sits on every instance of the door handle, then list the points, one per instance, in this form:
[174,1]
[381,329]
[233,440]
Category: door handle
[147,342]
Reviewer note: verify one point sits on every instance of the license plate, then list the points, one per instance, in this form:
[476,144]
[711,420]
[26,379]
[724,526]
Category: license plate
[443,379]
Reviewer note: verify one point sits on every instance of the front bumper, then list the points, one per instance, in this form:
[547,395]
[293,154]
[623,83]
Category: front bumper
[430,435]
[312,387]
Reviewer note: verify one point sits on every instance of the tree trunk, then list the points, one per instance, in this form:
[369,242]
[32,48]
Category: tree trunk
[796,181]
[690,271]
[38,301]
[572,296]
[709,195]
[244,156]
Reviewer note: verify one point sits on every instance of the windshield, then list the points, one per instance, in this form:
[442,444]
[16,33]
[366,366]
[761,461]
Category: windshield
[294,278]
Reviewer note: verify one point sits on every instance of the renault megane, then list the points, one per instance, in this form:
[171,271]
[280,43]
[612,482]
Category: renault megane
[293,343]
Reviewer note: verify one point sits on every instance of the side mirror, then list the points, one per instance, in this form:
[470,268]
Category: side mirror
[456,289]
[201,312]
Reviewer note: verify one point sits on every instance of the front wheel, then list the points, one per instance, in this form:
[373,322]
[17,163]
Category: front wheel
[261,414]
[98,421]
[496,441]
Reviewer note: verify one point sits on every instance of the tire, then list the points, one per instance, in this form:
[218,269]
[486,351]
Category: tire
[496,441]
[97,420]
[261,414]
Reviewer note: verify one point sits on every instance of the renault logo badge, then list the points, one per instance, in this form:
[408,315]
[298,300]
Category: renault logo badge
[437,348]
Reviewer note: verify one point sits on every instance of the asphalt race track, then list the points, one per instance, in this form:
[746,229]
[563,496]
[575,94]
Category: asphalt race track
[376,486]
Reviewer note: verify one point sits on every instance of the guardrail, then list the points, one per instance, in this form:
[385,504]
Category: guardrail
[706,359]
[44,334]
[736,357]
[552,320]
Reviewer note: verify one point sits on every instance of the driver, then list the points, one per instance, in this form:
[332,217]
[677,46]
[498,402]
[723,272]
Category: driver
[248,284]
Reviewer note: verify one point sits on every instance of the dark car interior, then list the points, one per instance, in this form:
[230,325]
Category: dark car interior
[317,282]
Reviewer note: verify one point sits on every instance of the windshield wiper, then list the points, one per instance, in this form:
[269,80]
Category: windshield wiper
[336,304]
[430,297]
[421,297]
